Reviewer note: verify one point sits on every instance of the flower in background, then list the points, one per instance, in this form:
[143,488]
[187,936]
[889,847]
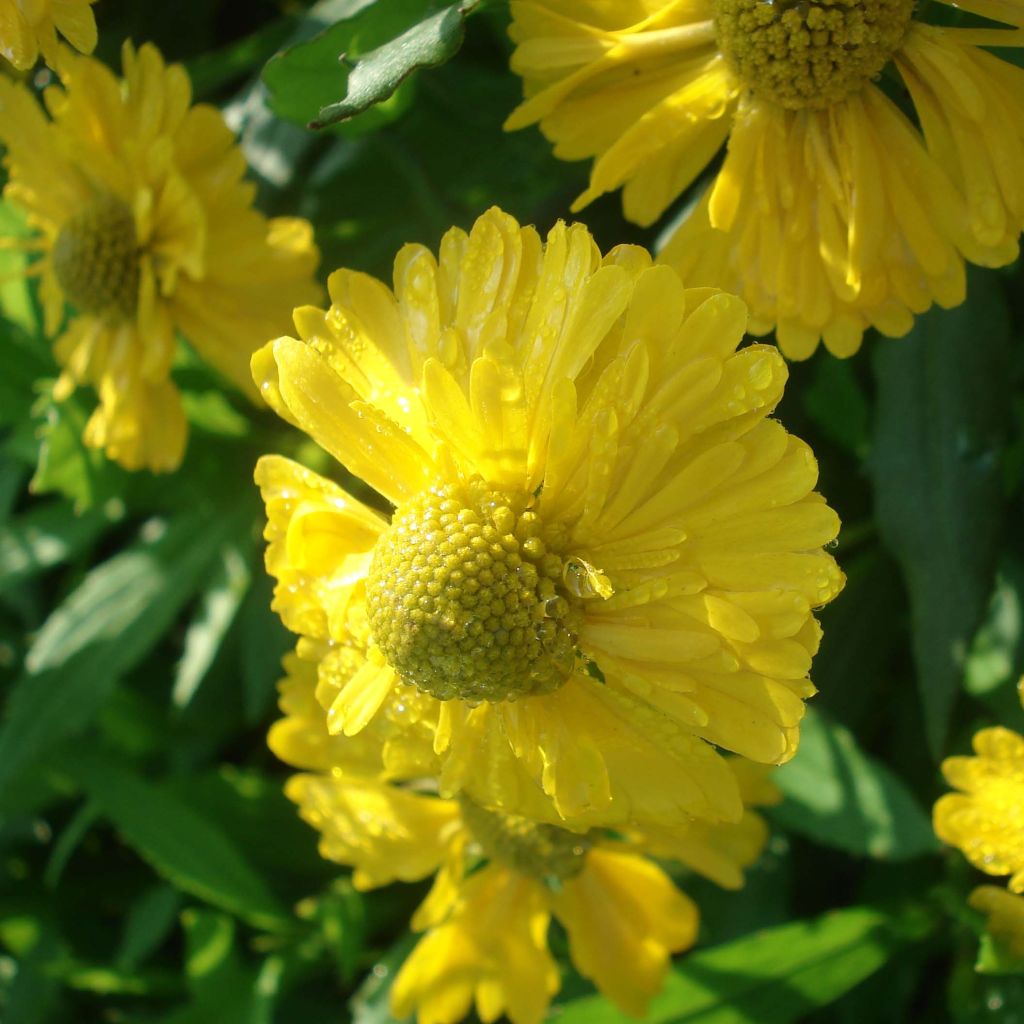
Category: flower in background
[500,878]
[832,211]
[985,820]
[603,557]
[146,228]
[30,27]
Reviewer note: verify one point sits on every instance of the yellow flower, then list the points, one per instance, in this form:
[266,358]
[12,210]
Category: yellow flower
[486,926]
[832,211]
[146,228]
[603,556]
[986,818]
[28,27]
[1005,913]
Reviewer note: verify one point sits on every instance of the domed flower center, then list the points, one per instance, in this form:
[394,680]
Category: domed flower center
[96,259]
[541,851]
[466,599]
[809,53]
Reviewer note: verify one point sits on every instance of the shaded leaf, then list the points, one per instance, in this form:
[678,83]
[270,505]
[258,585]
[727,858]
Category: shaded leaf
[942,411]
[217,609]
[772,977]
[147,925]
[189,850]
[102,630]
[838,796]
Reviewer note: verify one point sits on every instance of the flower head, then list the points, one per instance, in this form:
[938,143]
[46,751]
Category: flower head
[832,211]
[30,27]
[500,878]
[985,819]
[145,228]
[603,556]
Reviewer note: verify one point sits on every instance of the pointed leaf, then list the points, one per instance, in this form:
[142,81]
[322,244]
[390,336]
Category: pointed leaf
[943,405]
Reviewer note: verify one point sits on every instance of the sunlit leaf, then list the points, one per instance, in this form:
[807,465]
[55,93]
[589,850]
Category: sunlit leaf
[840,797]
[776,976]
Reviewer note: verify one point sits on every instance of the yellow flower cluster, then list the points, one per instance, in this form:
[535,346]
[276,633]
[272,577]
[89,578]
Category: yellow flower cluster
[499,878]
[985,820]
[146,228]
[592,563]
[832,212]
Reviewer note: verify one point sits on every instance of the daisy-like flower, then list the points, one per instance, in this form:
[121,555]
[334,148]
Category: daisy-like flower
[601,557]
[832,211]
[146,228]
[30,27]
[985,819]
[500,878]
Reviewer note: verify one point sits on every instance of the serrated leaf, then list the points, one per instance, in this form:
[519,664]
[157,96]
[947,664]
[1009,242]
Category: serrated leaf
[776,976]
[182,845]
[839,796]
[943,404]
[309,76]
[376,75]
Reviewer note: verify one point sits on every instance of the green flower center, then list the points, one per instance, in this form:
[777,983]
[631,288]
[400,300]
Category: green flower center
[96,259]
[466,597]
[544,852]
[809,53]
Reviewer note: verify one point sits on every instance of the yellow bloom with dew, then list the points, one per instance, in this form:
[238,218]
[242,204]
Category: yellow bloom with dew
[985,819]
[500,878]
[146,228]
[603,556]
[30,27]
[833,211]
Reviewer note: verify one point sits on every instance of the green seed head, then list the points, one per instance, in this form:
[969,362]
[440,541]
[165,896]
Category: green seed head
[465,598]
[544,852]
[809,53]
[96,259]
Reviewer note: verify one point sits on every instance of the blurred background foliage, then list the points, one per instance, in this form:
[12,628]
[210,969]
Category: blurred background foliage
[151,869]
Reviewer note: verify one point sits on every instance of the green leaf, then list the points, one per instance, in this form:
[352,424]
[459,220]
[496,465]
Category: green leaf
[66,466]
[310,75]
[102,630]
[839,796]
[995,958]
[16,302]
[219,605]
[999,643]
[183,846]
[942,412]
[364,59]
[48,535]
[147,924]
[772,977]
[371,1002]
[219,982]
